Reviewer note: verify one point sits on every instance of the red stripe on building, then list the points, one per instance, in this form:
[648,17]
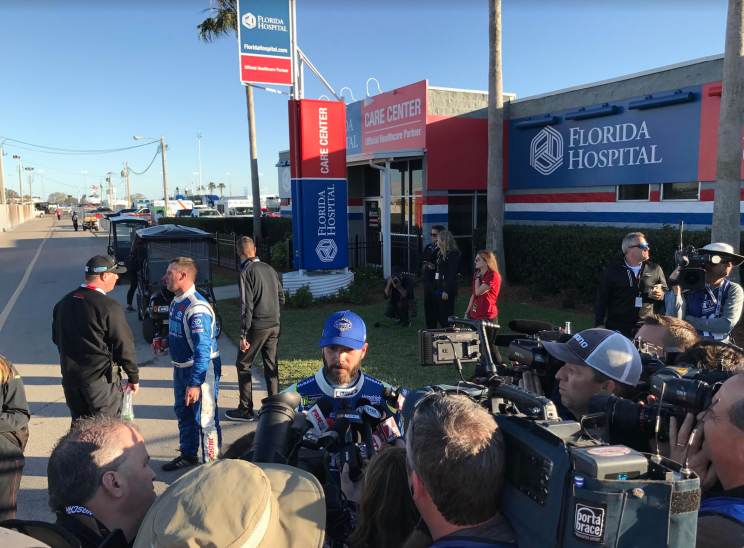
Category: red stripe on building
[563,198]
[655,196]
[355,201]
[708,195]
[434,200]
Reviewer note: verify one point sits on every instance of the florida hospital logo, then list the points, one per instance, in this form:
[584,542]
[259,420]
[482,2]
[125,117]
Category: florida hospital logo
[326,250]
[249,21]
[546,151]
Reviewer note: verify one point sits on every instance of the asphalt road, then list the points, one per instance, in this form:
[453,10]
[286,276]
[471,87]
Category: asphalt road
[40,262]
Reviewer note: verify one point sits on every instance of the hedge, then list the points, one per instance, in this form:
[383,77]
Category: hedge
[273,228]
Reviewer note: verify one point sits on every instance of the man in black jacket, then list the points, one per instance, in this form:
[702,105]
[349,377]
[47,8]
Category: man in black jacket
[429,260]
[94,342]
[261,296]
[629,289]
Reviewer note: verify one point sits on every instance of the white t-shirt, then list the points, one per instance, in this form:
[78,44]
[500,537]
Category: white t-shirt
[635,269]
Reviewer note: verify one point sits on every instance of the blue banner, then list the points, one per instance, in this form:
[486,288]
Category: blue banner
[354,128]
[264,27]
[320,224]
[620,147]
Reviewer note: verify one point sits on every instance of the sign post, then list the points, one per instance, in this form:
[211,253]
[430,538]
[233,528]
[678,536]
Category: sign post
[266,45]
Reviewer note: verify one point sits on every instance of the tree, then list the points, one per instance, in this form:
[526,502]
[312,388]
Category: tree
[727,199]
[177,191]
[136,197]
[57,197]
[221,186]
[10,194]
[211,186]
[495,196]
[224,22]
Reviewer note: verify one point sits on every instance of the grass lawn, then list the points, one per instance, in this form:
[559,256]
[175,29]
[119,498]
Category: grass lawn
[393,352]
[223,276]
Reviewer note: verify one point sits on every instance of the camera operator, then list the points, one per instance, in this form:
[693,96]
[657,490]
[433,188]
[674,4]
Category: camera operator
[429,260]
[716,453]
[716,312]
[708,354]
[667,332]
[399,292]
[629,288]
[456,462]
[596,360]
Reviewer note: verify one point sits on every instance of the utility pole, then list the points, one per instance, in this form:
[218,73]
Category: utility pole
[229,182]
[165,176]
[30,186]
[254,165]
[198,135]
[129,198]
[2,178]
[20,174]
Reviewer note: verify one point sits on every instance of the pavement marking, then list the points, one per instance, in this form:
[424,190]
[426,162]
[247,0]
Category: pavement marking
[9,307]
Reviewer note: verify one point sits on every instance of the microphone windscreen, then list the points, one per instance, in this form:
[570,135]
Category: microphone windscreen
[330,422]
[344,405]
[361,402]
[530,327]
[325,404]
[340,426]
[387,393]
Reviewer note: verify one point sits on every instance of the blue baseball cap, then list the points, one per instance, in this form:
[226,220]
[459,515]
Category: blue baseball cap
[344,329]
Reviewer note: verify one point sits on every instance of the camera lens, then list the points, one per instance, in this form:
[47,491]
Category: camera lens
[693,396]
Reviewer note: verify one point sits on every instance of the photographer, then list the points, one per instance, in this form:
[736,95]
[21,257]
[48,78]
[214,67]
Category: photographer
[708,354]
[667,332]
[456,462]
[629,288]
[715,312]
[716,453]
[399,292]
[596,360]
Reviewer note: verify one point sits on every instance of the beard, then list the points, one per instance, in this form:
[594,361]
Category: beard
[340,376]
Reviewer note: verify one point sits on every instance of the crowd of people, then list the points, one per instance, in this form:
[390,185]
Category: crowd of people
[435,482]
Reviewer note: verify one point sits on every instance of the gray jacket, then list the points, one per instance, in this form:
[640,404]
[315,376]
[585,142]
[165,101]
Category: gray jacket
[676,306]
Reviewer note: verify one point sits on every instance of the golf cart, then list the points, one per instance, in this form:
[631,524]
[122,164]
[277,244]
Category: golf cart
[157,246]
[91,219]
[122,231]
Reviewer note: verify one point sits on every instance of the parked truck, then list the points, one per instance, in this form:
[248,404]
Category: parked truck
[235,207]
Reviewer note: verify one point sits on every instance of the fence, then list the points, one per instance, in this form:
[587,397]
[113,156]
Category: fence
[405,252]
[224,254]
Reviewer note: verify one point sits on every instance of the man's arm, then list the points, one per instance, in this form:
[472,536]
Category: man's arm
[14,413]
[247,318]
[121,342]
[730,313]
[603,297]
[199,326]
[675,305]
[281,290]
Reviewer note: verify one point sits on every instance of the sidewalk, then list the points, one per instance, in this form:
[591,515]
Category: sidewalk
[226,292]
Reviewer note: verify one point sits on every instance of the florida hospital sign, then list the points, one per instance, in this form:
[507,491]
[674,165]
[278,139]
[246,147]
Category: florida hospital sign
[631,146]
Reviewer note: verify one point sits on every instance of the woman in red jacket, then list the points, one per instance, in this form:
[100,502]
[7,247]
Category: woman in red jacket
[486,286]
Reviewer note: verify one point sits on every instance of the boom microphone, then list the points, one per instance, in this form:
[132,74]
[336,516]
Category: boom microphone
[530,327]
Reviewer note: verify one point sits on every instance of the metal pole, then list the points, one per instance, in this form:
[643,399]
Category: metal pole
[200,174]
[295,57]
[31,188]
[129,198]
[2,179]
[165,176]
[20,177]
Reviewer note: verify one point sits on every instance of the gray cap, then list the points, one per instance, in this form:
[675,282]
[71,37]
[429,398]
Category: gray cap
[606,351]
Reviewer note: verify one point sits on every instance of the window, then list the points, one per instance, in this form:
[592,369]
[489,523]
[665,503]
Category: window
[632,192]
[680,191]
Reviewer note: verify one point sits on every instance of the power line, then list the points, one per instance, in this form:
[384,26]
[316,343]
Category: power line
[148,167]
[54,150]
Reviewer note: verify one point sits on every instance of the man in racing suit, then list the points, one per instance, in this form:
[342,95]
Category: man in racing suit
[343,346]
[197,367]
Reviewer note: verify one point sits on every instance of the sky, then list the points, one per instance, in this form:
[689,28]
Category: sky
[89,75]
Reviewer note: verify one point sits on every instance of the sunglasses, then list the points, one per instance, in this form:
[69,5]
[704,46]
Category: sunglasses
[641,246]
[434,234]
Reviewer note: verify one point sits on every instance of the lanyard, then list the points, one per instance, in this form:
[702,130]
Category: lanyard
[718,298]
[83,511]
[93,288]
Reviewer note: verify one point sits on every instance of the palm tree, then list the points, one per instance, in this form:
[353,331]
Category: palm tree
[224,22]
[211,187]
[495,196]
[727,200]
[221,186]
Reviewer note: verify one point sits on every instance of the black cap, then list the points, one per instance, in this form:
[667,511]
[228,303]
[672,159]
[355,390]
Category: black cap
[103,263]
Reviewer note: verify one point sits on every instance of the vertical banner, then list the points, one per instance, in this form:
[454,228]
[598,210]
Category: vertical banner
[319,189]
[264,39]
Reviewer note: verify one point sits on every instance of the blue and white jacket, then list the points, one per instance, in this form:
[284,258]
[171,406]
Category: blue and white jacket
[191,326]
[313,388]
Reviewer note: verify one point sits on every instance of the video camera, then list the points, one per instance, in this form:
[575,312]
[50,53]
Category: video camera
[692,265]
[579,489]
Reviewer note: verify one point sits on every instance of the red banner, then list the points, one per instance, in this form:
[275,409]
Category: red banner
[266,70]
[710,109]
[317,139]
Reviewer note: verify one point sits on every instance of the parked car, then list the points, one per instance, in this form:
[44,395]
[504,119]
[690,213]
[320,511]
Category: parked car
[198,212]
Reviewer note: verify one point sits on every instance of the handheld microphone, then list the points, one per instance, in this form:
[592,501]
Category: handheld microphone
[345,410]
[395,398]
[370,419]
[348,449]
[332,437]
[317,414]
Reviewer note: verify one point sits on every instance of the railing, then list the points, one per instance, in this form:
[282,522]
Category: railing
[223,250]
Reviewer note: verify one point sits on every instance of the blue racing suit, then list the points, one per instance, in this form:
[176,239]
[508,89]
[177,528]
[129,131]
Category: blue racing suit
[196,360]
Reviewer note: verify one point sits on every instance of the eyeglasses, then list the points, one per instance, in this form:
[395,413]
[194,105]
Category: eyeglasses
[641,246]
[434,234]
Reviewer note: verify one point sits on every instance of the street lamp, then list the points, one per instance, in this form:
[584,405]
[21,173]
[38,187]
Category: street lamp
[229,182]
[30,185]
[165,170]
[20,174]
[198,136]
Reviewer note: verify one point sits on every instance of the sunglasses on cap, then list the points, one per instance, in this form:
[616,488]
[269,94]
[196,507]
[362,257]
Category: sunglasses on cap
[641,246]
